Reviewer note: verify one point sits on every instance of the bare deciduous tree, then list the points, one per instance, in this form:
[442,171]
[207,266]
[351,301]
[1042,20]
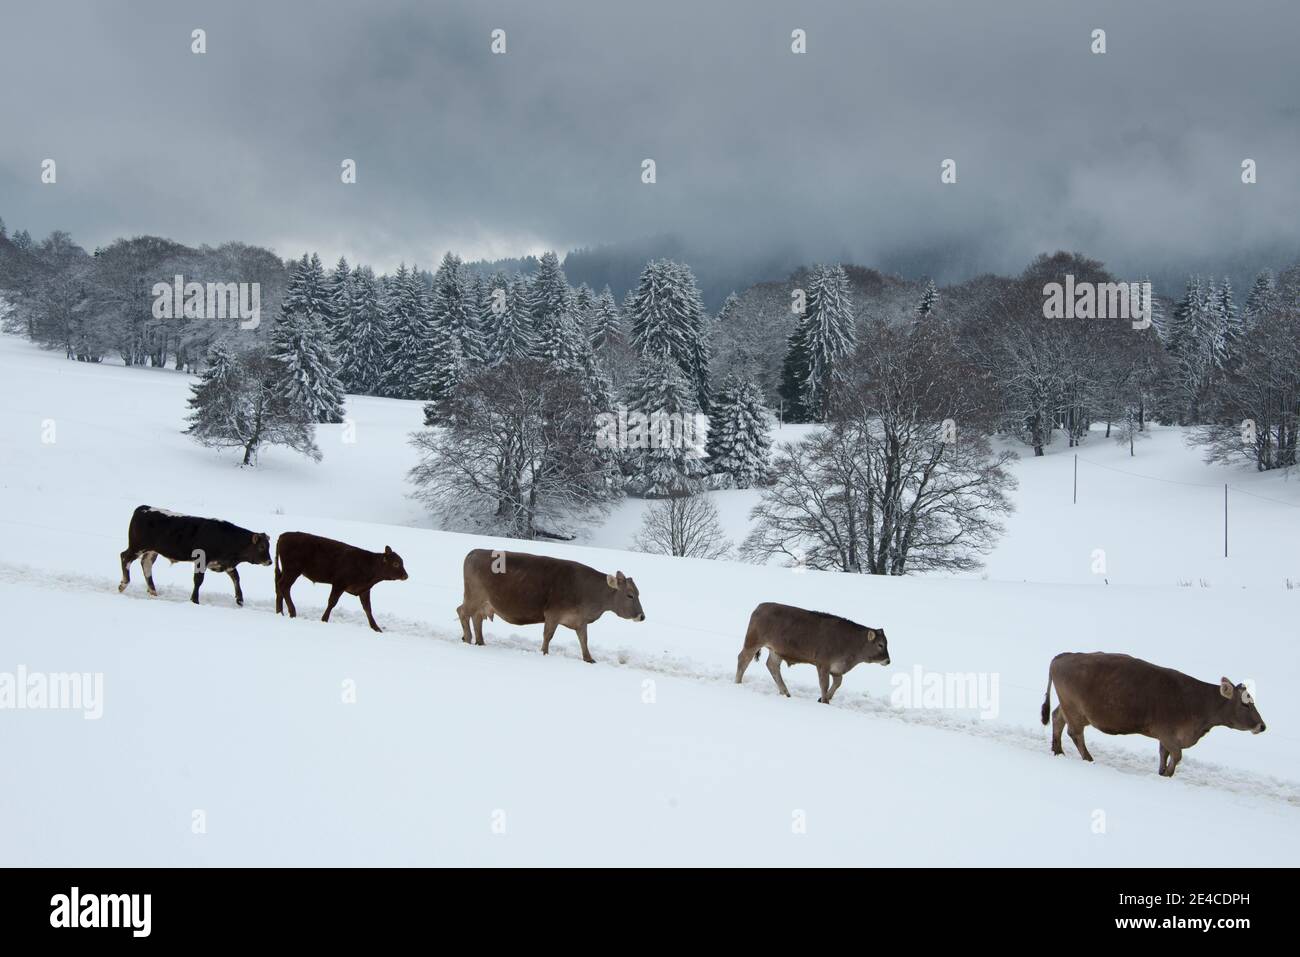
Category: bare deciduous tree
[686,526]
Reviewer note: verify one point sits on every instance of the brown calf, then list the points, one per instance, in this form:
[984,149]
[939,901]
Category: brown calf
[534,589]
[344,567]
[798,636]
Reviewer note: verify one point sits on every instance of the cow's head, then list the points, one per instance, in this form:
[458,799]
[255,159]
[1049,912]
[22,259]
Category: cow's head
[875,650]
[394,570]
[258,551]
[1242,713]
[627,599]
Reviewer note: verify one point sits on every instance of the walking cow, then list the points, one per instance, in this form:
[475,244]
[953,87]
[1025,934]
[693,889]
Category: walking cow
[798,636]
[344,567]
[1120,694]
[535,589]
[211,544]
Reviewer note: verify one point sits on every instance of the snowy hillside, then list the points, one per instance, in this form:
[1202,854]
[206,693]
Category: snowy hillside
[452,754]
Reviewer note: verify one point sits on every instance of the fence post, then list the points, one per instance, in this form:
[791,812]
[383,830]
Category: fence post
[1225,519]
[1076,478]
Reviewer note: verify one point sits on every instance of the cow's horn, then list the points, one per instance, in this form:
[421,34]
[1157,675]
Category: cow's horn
[1226,687]
[611,581]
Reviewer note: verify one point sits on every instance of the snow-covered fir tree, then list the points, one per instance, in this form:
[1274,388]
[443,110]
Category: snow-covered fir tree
[929,300]
[828,335]
[364,352]
[739,432]
[666,457]
[550,299]
[667,320]
[308,292]
[443,368]
[1262,298]
[406,317]
[216,401]
[606,326]
[235,405]
[511,330]
[794,373]
[454,308]
[306,368]
[340,303]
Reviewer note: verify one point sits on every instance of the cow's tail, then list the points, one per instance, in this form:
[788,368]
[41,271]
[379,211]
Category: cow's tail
[1047,699]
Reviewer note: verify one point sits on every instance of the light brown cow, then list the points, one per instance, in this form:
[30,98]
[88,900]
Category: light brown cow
[535,589]
[1120,694]
[798,636]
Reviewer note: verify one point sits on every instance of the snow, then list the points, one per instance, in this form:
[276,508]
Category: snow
[651,756]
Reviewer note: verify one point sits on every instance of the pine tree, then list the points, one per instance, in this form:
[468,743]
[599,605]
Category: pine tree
[406,316]
[234,405]
[666,459]
[667,320]
[511,329]
[216,399]
[445,367]
[794,373]
[340,303]
[364,351]
[828,334]
[1229,327]
[606,327]
[453,308]
[1262,298]
[929,300]
[730,306]
[23,240]
[739,432]
[307,371]
[551,299]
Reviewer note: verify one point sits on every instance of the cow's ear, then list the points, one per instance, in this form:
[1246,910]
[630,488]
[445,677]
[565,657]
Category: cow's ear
[388,549]
[611,581]
[621,578]
[1226,688]
[256,537]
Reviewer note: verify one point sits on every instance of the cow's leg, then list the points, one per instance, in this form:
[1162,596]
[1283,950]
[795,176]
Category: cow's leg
[835,686]
[336,592]
[127,557]
[1175,755]
[464,623]
[774,666]
[824,680]
[146,566]
[1164,758]
[747,654]
[284,591]
[548,632]
[582,640]
[239,592]
[198,580]
[478,629]
[1075,730]
[1058,725]
[365,603]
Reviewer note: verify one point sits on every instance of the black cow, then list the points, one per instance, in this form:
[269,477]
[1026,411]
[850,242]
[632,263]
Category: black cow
[211,544]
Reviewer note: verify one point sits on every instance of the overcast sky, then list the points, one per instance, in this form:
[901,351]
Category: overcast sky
[1132,156]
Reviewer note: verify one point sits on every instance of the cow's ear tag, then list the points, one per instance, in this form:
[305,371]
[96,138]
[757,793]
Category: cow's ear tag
[1225,687]
[611,581]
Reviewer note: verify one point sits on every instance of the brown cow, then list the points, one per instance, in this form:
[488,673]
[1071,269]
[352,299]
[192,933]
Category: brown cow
[801,637]
[344,567]
[534,589]
[1120,694]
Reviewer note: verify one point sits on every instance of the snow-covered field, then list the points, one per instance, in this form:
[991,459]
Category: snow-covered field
[460,755]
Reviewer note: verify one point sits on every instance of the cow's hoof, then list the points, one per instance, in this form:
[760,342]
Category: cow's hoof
[545,651]
[1088,758]
[239,602]
[479,643]
[1058,750]
[590,661]
[121,588]
[152,593]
